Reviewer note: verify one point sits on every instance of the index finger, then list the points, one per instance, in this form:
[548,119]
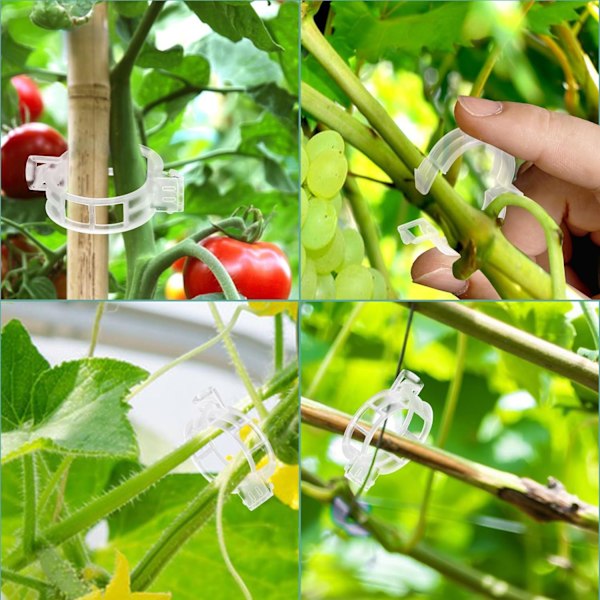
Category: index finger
[561,145]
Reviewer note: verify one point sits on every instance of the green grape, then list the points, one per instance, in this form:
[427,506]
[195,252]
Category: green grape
[325,287]
[304,164]
[379,285]
[327,174]
[320,224]
[324,141]
[303,206]
[354,248]
[308,282]
[337,202]
[332,257]
[354,283]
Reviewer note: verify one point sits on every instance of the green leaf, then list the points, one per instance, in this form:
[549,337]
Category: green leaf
[62,14]
[263,544]
[275,99]
[130,8]
[374,37]
[152,58]
[42,288]
[22,364]
[77,407]
[284,28]
[235,20]
[14,56]
[238,63]
[545,14]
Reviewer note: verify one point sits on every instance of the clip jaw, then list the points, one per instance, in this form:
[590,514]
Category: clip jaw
[442,156]
[215,456]
[397,406]
[160,193]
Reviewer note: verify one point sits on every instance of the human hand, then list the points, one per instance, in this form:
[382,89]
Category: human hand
[561,173]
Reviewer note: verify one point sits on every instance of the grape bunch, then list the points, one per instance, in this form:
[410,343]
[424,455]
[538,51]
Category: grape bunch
[332,254]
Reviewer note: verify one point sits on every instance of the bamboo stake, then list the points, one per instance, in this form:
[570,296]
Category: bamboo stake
[89,108]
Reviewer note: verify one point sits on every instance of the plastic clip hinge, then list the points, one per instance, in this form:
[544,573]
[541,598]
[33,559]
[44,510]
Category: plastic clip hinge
[397,407]
[161,192]
[212,458]
[429,233]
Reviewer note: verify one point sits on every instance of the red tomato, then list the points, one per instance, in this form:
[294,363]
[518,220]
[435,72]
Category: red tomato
[17,146]
[174,287]
[178,265]
[31,104]
[260,271]
[60,284]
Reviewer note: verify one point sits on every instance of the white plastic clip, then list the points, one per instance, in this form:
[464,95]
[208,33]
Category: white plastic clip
[429,233]
[455,144]
[162,192]
[398,406]
[216,455]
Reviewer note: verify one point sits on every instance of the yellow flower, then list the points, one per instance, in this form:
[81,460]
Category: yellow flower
[269,309]
[119,587]
[285,484]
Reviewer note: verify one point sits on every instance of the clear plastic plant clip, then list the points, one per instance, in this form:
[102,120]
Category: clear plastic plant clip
[162,192]
[429,233]
[454,144]
[217,454]
[399,405]
[442,156]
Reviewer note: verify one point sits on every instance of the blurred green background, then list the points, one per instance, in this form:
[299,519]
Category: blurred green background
[511,415]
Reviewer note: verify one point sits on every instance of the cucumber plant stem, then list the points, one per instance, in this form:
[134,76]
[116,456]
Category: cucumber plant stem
[29,501]
[238,363]
[198,512]
[278,342]
[96,328]
[187,356]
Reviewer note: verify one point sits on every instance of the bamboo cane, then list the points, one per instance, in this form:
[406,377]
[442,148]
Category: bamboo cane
[89,108]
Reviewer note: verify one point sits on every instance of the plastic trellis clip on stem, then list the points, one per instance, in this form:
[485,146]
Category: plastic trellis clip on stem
[218,453]
[398,405]
[442,156]
[429,233]
[161,192]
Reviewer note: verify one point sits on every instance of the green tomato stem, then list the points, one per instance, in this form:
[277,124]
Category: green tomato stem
[552,233]
[163,261]
[238,363]
[50,254]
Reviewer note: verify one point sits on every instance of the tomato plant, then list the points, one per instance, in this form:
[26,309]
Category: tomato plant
[218,104]
[259,270]
[72,423]
[31,104]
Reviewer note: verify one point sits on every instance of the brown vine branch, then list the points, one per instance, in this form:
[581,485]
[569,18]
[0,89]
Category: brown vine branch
[519,343]
[543,503]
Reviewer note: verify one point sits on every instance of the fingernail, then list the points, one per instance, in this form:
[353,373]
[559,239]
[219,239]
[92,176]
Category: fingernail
[480,107]
[443,279]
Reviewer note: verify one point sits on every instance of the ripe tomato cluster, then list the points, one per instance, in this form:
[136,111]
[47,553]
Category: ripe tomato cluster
[27,139]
